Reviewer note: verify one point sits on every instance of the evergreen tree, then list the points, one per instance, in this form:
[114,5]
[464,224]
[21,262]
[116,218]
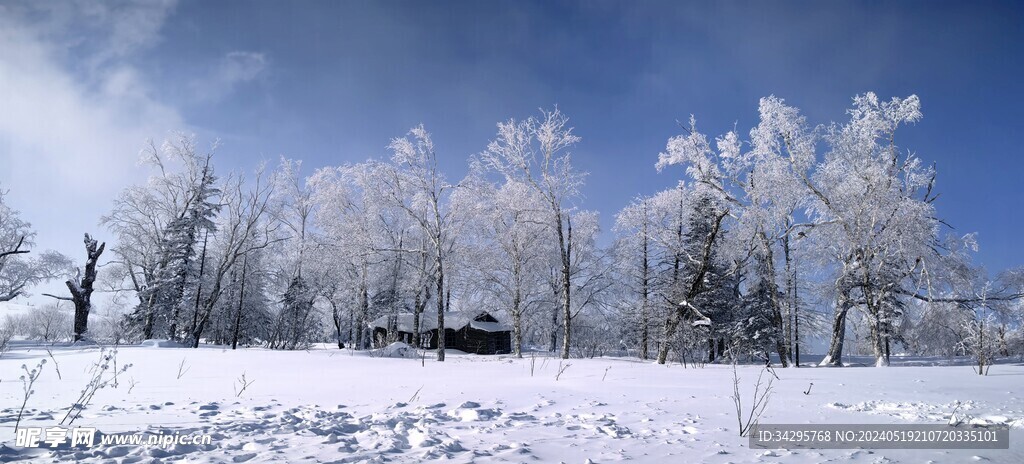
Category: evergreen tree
[752,330]
[717,298]
[297,321]
[165,301]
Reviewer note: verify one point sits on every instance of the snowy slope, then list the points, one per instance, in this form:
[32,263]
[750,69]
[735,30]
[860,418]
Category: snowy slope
[338,406]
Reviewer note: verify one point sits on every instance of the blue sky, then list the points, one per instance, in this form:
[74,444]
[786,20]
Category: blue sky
[331,82]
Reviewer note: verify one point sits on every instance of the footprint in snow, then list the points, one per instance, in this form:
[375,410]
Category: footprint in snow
[243,457]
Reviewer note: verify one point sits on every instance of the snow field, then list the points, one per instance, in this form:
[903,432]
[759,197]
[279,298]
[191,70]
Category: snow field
[328,405]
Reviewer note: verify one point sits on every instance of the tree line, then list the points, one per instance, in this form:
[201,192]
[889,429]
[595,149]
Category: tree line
[786,232]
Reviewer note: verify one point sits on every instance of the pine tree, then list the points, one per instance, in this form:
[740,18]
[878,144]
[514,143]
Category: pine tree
[297,320]
[165,300]
[700,281]
[753,331]
[718,298]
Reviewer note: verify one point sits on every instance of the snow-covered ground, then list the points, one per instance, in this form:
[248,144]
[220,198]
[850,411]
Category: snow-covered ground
[330,405]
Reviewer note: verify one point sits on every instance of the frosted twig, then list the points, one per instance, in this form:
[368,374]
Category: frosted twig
[561,369]
[415,395]
[244,383]
[27,381]
[182,369]
[55,365]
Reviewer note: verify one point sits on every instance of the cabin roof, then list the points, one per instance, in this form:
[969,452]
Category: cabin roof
[455,320]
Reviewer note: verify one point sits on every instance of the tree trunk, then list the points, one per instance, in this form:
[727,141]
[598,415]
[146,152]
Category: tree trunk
[517,324]
[835,350]
[416,310]
[351,325]
[440,308]
[644,294]
[199,331]
[796,330]
[553,342]
[241,298]
[878,343]
[773,289]
[670,331]
[336,316]
[199,288]
[147,326]
[420,304]
[81,292]
[791,312]
[566,249]
[364,309]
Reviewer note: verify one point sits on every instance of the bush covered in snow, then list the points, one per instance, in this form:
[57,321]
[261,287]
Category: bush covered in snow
[152,343]
[395,350]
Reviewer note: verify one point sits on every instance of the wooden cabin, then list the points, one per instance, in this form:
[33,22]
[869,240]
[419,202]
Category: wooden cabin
[470,331]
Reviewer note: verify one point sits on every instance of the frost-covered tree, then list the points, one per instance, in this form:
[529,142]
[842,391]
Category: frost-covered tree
[866,207]
[876,212]
[349,214]
[761,185]
[591,282]
[293,206]
[243,227]
[535,152]
[511,253]
[243,315]
[414,184]
[636,222]
[698,261]
[161,227]
[18,270]
[662,239]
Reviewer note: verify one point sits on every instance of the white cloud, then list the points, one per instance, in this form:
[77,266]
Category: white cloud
[71,130]
[233,69]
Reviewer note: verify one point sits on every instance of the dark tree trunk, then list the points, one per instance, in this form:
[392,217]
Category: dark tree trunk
[835,349]
[440,309]
[796,328]
[790,297]
[199,288]
[81,292]
[566,249]
[416,310]
[241,299]
[337,324]
[517,323]
[422,298]
[147,327]
[364,309]
[554,329]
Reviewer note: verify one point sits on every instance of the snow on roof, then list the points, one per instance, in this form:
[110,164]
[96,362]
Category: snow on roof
[454,320]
